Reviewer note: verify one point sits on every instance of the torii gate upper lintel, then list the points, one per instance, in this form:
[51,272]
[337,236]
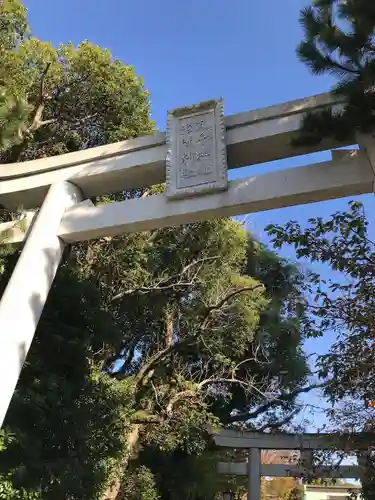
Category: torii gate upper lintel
[193,158]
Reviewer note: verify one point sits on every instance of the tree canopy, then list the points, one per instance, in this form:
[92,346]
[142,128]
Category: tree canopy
[149,339]
[73,97]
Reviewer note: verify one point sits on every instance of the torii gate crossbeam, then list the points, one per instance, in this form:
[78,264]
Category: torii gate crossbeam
[67,215]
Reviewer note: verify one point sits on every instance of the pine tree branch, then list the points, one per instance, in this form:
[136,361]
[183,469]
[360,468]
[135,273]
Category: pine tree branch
[345,68]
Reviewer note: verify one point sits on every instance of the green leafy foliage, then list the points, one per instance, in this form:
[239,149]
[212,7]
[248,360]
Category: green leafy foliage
[77,417]
[209,346]
[13,116]
[55,101]
[147,340]
[130,294]
[339,41]
[139,484]
[13,24]
[343,304]
[75,97]
[182,476]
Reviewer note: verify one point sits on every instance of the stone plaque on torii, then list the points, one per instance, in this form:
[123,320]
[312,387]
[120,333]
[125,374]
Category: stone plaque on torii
[196,160]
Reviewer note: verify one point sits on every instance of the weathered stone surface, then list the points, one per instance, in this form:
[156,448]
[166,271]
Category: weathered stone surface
[196,157]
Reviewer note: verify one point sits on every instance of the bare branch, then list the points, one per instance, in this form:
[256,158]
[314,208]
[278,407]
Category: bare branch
[146,193]
[150,289]
[222,380]
[215,307]
[47,122]
[145,418]
[82,120]
[231,295]
[274,403]
[279,423]
[161,355]
[180,395]
[42,83]
[164,284]
[37,119]
[189,393]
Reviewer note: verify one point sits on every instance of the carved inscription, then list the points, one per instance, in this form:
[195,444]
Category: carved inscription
[196,161]
[196,152]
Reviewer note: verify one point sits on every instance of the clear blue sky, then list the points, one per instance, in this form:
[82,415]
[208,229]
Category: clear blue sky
[241,50]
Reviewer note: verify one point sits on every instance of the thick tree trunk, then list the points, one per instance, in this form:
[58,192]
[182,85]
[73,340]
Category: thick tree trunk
[113,492]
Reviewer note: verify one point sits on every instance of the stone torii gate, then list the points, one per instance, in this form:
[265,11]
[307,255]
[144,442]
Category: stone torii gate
[192,157]
[254,442]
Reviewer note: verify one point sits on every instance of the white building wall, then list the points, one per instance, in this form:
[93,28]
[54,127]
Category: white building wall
[325,493]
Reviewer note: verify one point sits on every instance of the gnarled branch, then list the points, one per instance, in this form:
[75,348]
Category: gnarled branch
[274,403]
[170,283]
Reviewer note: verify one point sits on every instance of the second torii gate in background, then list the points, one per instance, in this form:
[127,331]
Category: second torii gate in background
[306,444]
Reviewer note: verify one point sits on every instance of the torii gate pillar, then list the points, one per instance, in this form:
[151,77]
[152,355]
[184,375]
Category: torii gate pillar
[253,474]
[26,293]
